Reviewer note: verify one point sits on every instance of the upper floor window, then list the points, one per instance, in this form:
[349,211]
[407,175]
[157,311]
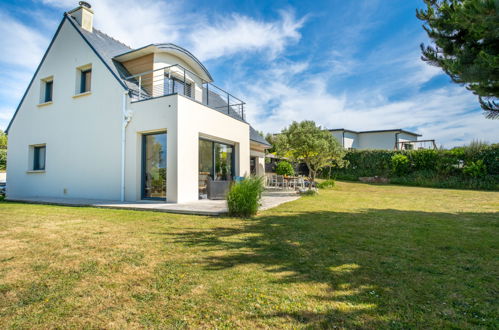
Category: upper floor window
[39,154]
[181,88]
[86,78]
[175,85]
[83,79]
[46,90]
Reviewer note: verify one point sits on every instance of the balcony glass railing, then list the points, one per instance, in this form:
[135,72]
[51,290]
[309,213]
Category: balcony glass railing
[176,79]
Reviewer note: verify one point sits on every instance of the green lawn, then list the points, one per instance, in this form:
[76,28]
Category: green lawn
[355,256]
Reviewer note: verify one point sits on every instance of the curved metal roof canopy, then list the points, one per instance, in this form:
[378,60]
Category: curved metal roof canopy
[170,48]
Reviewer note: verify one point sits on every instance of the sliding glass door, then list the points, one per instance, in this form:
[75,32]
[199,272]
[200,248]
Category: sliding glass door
[154,166]
[216,162]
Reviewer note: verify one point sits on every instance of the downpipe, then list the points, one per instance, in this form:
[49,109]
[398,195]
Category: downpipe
[127,117]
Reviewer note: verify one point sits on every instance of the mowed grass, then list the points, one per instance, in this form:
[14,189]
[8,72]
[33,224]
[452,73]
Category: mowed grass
[357,256]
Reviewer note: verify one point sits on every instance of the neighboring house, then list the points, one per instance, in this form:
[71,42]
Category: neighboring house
[100,120]
[389,139]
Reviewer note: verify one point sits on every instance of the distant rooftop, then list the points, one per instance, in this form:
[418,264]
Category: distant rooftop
[398,130]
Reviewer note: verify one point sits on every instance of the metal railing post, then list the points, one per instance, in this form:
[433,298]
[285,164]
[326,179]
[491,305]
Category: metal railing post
[156,85]
[185,87]
[140,87]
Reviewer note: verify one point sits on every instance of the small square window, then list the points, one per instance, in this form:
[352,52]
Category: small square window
[39,154]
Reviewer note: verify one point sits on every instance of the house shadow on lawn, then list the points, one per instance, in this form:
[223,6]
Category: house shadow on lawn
[370,269]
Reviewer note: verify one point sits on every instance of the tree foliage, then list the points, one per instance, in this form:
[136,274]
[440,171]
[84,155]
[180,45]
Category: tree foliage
[306,142]
[284,168]
[466,45]
[3,140]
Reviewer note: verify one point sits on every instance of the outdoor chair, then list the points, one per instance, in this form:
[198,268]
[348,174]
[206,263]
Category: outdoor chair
[268,180]
[273,181]
[281,182]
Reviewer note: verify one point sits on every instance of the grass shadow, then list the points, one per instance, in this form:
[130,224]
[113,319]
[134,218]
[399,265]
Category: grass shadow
[375,268]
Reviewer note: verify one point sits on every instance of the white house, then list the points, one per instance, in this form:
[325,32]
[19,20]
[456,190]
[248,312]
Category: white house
[389,139]
[100,120]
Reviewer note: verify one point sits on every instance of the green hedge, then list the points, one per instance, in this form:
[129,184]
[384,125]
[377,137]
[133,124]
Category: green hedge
[3,159]
[472,167]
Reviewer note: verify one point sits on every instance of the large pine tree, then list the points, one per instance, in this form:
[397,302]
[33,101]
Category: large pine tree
[465,34]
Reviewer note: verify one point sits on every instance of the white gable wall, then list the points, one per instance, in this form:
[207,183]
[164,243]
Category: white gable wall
[82,134]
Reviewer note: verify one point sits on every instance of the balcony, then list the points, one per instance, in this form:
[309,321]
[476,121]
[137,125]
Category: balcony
[176,79]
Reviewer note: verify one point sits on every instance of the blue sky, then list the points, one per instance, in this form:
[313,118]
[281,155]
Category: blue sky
[344,64]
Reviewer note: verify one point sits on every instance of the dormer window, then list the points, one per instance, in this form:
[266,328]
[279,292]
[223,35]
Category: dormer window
[46,90]
[83,79]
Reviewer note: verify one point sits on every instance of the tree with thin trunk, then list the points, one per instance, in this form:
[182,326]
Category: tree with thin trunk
[306,142]
[465,34]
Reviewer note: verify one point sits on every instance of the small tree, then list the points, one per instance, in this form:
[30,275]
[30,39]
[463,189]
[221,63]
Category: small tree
[284,168]
[306,142]
[3,140]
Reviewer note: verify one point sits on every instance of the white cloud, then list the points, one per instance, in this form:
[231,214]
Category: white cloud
[450,114]
[16,36]
[136,23]
[278,92]
[17,66]
[139,23]
[237,33]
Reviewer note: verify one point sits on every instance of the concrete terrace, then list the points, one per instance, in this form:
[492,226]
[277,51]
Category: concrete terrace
[270,200]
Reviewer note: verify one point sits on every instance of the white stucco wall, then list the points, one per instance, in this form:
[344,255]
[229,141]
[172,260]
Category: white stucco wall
[346,139]
[82,134]
[404,137]
[377,140]
[351,140]
[185,122]
[195,121]
[338,135]
[154,115]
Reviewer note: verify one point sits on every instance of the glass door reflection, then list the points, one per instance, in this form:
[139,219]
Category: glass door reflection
[154,166]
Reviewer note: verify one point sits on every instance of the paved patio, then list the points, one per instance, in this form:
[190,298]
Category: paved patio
[270,199]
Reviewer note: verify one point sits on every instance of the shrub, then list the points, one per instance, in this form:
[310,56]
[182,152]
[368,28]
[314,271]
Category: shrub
[285,168]
[309,192]
[243,198]
[455,168]
[423,159]
[400,164]
[475,169]
[327,184]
